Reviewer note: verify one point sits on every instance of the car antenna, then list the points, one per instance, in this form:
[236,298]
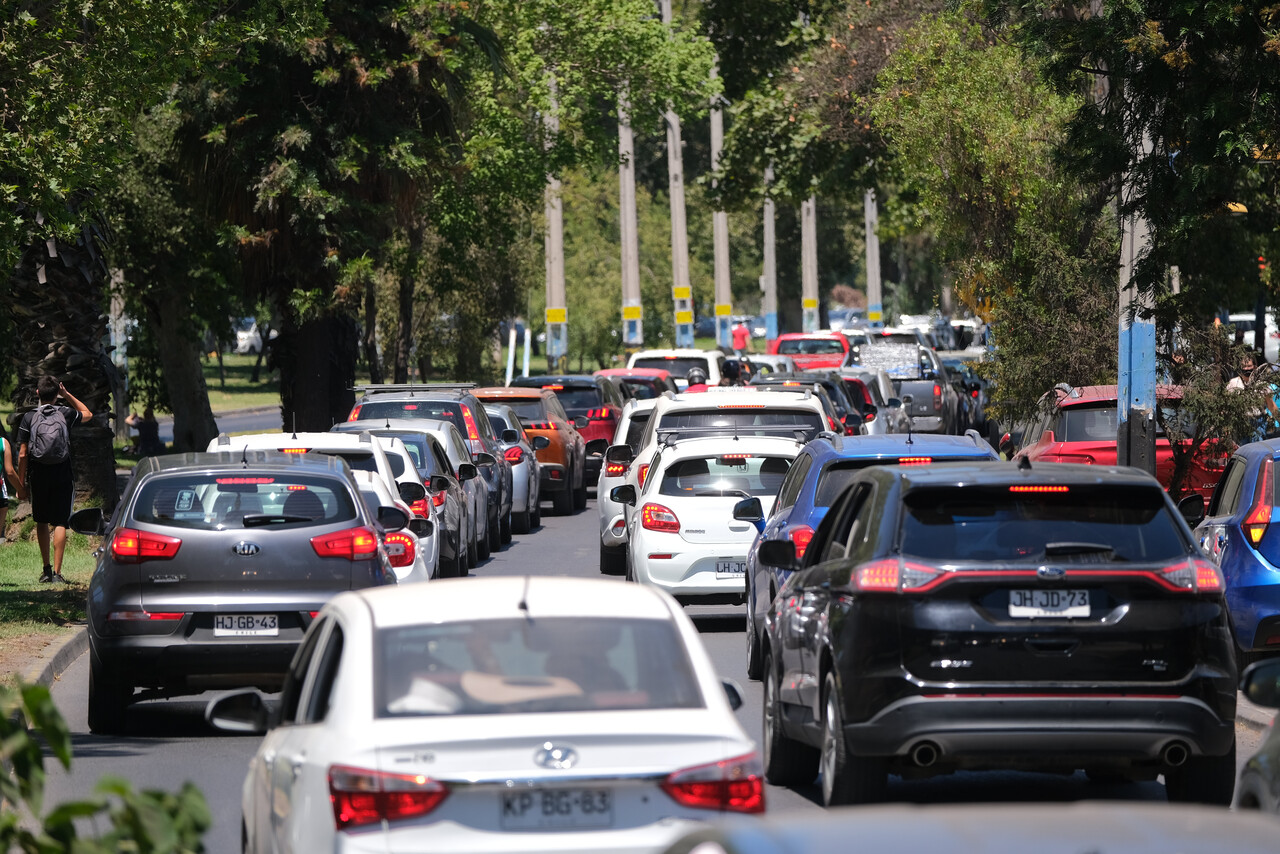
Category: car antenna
[1024,464]
[524,599]
[910,441]
[244,455]
[295,425]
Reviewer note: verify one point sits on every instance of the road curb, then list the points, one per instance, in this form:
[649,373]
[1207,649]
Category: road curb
[55,661]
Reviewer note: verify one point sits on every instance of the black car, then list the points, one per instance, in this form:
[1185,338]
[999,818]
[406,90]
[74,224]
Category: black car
[979,616]
[848,412]
[452,402]
[213,566]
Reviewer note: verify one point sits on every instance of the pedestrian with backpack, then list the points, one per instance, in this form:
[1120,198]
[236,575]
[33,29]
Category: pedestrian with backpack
[44,458]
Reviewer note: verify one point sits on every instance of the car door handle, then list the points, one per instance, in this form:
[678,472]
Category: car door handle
[739,527]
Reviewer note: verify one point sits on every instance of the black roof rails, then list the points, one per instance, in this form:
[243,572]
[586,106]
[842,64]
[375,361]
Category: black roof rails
[667,435]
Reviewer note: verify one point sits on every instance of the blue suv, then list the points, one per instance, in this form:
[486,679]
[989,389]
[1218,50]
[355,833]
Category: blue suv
[1238,534]
[816,479]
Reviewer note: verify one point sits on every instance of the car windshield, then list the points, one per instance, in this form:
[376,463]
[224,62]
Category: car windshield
[436,410]
[543,664]
[743,420]
[678,366]
[810,346]
[577,398]
[994,523]
[242,499]
[743,475]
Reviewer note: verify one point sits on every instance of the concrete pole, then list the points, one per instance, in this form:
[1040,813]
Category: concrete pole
[1136,396]
[809,263]
[681,291]
[632,309]
[557,315]
[769,276]
[875,310]
[720,236]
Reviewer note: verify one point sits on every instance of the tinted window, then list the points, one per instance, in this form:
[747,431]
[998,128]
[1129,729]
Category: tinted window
[992,523]
[742,420]
[837,476]
[732,474]
[1227,495]
[642,389]
[574,399]
[550,664]
[528,411]
[436,410]
[498,423]
[242,499]
[791,489]
[810,346]
[326,673]
[677,367]
[366,461]
[635,429]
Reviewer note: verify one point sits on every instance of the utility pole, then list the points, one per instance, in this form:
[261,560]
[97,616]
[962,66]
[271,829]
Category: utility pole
[875,312]
[632,310]
[681,290]
[809,263]
[557,314]
[769,276]
[1136,395]
[720,235]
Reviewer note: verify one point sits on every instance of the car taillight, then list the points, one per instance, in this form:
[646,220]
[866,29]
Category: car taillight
[937,396]
[144,616]
[473,433]
[733,785]
[353,544]
[914,461]
[974,394]
[355,413]
[1193,576]
[439,497]
[421,509]
[132,546]
[644,470]
[539,425]
[801,536]
[361,797]
[893,575]
[401,548]
[834,427]
[514,455]
[600,414]
[655,517]
[1255,524]
[615,469]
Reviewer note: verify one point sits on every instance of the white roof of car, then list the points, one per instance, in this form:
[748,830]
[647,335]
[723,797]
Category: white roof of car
[662,352]
[702,446]
[275,441]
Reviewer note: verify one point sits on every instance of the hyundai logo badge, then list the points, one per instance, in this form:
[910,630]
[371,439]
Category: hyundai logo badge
[246,549]
[559,758]
[1051,573]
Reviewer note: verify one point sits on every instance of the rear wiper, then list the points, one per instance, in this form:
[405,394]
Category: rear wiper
[257,520]
[1069,548]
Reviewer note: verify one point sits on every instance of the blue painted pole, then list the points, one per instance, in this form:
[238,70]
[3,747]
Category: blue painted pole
[1136,394]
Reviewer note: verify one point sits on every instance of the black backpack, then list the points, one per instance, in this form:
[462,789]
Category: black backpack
[49,443]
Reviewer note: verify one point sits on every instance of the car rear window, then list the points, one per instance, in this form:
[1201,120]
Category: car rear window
[528,410]
[810,346]
[743,475]
[635,430]
[242,499]
[742,420]
[1098,423]
[1069,523]
[838,475]
[642,388]
[436,410]
[364,460]
[677,366]
[542,664]
[574,398]
[895,338]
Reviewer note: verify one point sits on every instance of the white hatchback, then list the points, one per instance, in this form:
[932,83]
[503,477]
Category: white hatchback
[496,715]
[613,520]
[683,537]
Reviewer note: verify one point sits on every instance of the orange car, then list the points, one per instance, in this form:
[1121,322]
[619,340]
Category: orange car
[564,460]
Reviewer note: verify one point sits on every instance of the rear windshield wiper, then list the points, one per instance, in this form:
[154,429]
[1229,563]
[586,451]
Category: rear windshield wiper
[1069,548]
[257,520]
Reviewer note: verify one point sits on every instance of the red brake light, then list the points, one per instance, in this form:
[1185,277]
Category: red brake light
[644,470]
[1193,576]
[355,413]
[410,407]
[1054,489]
[554,387]
[973,393]
[514,455]
[245,481]
[295,487]
[362,797]
[294,450]
[655,517]
[132,546]
[1255,524]
[539,425]
[439,497]
[615,469]
[733,785]
[801,536]
[420,508]
[401,548]
[914,461]
[892,575]
[353,544]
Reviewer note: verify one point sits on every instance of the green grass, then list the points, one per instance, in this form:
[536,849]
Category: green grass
[238,392]
[28,607]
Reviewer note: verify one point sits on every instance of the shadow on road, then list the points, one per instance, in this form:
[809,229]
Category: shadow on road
[709,623]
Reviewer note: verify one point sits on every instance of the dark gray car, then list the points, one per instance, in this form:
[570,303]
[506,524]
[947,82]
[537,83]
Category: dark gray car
[213,566]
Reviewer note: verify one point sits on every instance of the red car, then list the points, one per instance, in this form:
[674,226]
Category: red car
[812,350]
[1081,428]
[642,383]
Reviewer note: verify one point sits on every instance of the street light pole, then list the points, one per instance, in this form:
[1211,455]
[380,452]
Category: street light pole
[632,310]
[809,263]
[720,235]
[1136,394]
[557,313]
[875,312]
[769,275]
[681,290]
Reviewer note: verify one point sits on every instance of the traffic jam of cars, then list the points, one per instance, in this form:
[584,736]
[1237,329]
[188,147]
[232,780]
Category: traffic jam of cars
[914,603]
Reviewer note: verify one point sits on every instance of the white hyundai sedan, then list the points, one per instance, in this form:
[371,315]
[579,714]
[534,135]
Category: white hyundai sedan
[496,715]
[683,537]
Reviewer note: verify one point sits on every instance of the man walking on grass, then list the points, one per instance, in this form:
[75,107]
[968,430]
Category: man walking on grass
[44,441]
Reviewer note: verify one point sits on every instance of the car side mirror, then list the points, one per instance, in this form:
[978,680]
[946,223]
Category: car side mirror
[240,712]
[88,521]
[422,527]
[748,510]
[467,471]
[1192,508]
[893,403]
[733,691]
[439,483]
[619,454]
[581,422]
[392,518]
[411,491]
[625,494]
[780,553]
[1006,446]
[596,447]
[1261,683]
[539,443]
[869,412]
[484,459]
[510,437]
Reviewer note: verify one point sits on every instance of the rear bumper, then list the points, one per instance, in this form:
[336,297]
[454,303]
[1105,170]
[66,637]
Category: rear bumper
[1043,731]
[182,665]
[554,478]
[1255,608]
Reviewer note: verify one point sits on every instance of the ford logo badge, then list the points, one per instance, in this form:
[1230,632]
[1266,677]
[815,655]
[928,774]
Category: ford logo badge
[246,549]
[1051,573]
[559,758]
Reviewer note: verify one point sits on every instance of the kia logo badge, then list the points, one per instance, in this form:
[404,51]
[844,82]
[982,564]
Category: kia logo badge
[246,549]
[559,758]
[1051,573]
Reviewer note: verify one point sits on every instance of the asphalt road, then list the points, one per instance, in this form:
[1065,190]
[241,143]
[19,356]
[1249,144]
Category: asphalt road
[169,741]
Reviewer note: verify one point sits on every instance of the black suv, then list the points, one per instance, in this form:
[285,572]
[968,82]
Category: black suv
[961,616]
[449,402]
[848,413]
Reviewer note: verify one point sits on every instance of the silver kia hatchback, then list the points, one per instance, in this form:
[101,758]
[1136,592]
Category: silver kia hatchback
[213,566]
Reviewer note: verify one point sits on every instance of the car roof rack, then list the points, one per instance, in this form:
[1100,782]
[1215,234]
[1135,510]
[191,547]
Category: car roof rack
[387,388]
[669,435]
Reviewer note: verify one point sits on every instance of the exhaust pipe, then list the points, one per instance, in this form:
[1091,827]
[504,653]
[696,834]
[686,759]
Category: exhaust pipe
[924,754]
[1175,754]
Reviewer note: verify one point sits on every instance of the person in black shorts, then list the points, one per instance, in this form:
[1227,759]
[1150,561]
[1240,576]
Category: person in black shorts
[45,457]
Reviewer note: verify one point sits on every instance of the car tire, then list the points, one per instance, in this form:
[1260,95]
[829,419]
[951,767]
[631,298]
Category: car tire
[1203,780]
[613,561]
[484,544]
[846,779]
[755,664]
[535,514]
[473,554]
[520,522]
[786,762]
[108,699]
[580,495]
[630,572]
[495,533]
[562,501]
[504,527]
